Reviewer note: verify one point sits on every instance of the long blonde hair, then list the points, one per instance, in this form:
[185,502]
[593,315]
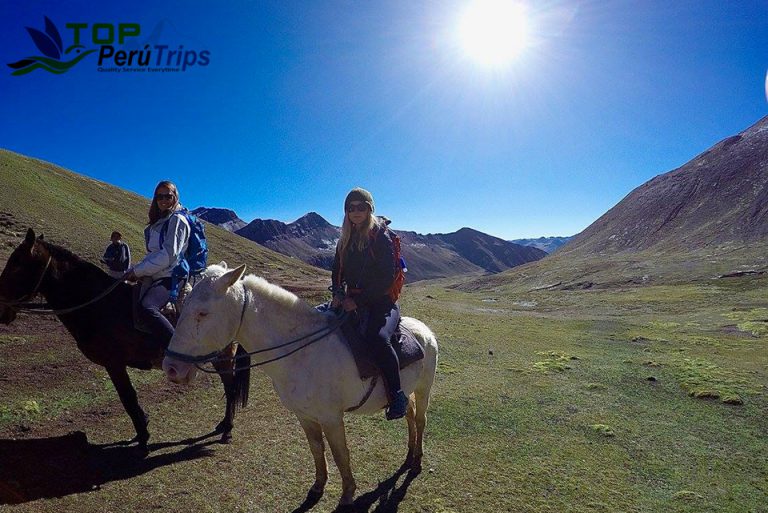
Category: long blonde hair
[154,211]
[358,237]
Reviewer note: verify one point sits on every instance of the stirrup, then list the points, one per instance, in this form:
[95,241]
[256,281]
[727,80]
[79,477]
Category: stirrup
[398,406]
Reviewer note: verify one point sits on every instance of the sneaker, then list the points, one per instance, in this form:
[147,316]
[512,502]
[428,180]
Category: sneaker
[397,406]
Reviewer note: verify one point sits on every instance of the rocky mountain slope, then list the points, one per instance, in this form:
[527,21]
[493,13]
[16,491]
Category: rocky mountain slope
[310,238]
[719,197]
[702,220]
[223,217]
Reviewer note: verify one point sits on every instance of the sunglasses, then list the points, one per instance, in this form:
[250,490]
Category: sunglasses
[164,196]
[360,207]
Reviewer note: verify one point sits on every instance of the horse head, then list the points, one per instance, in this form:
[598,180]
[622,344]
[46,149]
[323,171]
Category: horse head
[208,323]
[23,275]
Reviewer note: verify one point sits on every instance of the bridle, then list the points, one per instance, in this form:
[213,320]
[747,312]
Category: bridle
[26,297]
[218,356]
[22,303]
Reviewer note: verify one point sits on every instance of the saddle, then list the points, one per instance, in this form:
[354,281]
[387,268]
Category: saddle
[170,311]
[404,342]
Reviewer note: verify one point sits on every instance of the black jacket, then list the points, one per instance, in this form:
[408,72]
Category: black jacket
[367,274]
[117,256]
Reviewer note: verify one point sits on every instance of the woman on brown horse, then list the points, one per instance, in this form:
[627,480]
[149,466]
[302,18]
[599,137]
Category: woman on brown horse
[166,237]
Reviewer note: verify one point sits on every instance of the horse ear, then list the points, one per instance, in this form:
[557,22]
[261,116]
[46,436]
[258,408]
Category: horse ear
[223,264]
[229,278]
[30,239]
[40,237]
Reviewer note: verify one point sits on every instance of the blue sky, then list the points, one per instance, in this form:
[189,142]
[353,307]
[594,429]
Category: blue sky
[303,100]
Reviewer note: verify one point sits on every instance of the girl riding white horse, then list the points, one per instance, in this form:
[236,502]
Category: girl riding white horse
[319,383]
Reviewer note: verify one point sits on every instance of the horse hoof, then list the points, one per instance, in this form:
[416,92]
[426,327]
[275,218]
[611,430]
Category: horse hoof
[314,494]
[412,463]
[141,440]
[346,502]
[226,438]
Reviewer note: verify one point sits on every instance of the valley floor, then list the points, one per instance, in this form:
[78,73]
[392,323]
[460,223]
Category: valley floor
[638,399]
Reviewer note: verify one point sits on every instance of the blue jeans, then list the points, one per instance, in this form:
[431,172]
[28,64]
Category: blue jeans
[153,299]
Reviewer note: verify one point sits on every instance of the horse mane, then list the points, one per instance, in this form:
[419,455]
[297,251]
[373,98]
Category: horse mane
[262,288]
[62,254]
[59,252]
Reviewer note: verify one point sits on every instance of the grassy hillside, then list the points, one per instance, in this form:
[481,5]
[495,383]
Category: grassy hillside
[79,213]
[573,271]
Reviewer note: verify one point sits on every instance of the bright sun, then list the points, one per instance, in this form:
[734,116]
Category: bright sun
[494,32]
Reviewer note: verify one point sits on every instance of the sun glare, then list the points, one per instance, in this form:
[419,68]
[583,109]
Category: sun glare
[494,32]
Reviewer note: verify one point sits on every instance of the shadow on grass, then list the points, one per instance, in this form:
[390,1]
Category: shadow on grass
[64,465]
[386,498]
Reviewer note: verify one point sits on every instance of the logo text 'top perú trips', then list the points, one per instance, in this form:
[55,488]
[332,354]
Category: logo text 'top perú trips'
[150,57]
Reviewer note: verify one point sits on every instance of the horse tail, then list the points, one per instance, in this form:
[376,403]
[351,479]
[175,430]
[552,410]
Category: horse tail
[242,377]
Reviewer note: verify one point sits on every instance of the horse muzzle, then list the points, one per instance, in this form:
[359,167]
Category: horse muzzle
[177,371]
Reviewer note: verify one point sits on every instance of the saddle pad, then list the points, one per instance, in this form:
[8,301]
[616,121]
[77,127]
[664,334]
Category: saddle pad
[404,342]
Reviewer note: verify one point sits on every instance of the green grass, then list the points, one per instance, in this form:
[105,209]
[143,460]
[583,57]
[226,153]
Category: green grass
[503,434]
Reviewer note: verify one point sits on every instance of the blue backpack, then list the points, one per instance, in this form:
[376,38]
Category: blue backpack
[195,258]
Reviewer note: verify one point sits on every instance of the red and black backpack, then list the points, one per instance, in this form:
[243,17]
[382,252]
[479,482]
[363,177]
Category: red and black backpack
[400,268]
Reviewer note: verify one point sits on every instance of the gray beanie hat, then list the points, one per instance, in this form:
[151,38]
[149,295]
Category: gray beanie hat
[359,194]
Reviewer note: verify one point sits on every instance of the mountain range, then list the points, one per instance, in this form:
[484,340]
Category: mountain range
[313,240]
[705,219]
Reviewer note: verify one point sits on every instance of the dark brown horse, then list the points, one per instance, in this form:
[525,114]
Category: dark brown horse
[104,329]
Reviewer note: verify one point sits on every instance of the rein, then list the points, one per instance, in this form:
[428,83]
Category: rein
[30,308]
[22,305]
[216,356]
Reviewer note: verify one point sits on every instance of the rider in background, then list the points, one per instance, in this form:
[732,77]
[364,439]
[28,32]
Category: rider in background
[166,237]
[363,272]
[117,256]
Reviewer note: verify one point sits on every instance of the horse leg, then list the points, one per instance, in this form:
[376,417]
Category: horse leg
[314,433]
[236,385]
[337,439]
[224,367]
[422,403]
[410,416]
[127,394]
[228,422]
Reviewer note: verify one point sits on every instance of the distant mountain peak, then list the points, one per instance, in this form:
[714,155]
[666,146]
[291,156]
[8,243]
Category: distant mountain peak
[312,220]
[223,217]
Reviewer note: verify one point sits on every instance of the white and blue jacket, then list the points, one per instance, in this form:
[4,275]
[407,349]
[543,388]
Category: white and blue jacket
[165,246]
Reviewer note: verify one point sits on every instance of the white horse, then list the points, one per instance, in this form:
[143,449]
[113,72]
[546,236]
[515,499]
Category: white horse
[319,382]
